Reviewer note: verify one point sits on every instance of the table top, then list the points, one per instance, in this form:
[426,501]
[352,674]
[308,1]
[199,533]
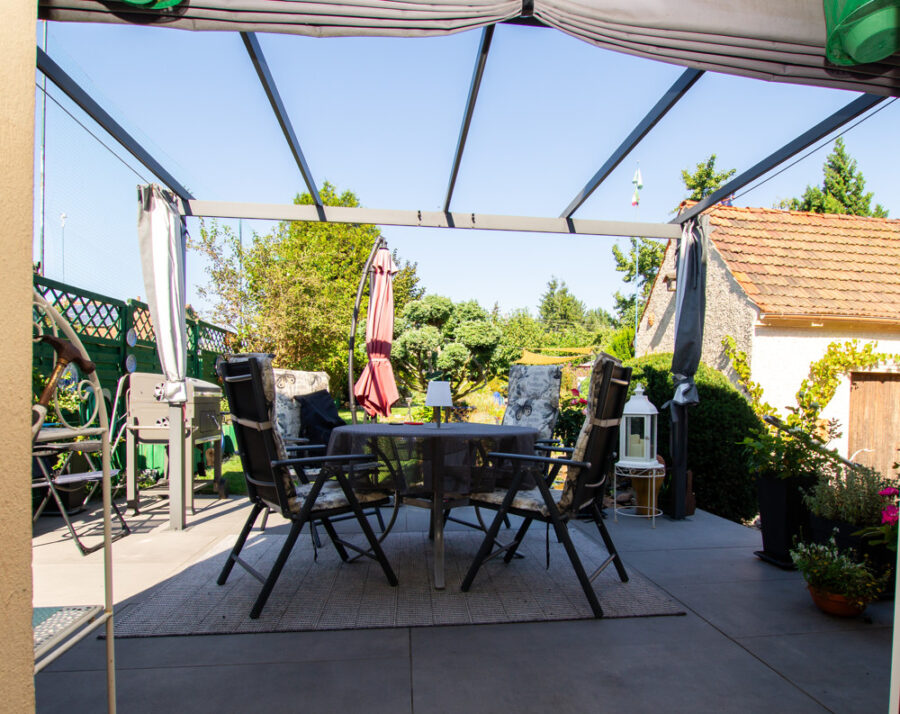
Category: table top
[451,430]
[422,456]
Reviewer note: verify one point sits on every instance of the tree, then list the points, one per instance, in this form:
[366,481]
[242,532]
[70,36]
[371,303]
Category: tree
[560,309]
[439,339]
[841,190]
[519,331]
[705,179]
[641,263]
[291,292]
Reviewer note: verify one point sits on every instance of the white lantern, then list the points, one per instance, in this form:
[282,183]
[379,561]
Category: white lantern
[637,433]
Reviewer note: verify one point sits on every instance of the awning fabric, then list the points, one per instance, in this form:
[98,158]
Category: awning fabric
[776,40]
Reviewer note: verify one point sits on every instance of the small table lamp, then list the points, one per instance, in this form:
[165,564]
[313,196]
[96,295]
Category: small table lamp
[437,396]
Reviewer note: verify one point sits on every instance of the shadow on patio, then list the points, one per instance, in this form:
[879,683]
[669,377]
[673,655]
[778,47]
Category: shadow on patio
[751,640]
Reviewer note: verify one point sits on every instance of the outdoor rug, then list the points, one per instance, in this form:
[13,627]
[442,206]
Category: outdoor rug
[327,594]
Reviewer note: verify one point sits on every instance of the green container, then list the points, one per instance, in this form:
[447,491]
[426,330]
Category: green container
[861,31]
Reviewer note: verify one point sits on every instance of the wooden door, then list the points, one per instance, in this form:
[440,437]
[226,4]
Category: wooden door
[875,419]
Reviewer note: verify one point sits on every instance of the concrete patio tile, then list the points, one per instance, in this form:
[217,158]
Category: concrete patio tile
[215,650]
[372,686]
[843,670]
[713,565]
[642,665]
[769,607]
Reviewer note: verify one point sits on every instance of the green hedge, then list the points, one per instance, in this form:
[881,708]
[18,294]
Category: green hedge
[716,426]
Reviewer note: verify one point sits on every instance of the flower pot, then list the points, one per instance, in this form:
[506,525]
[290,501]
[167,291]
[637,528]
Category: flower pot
[880,558]
[644,498]
[783,516]
[834,604]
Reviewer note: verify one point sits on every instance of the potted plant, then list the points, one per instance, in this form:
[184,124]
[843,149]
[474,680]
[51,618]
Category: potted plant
[838,584]
[786,467]
[845,499]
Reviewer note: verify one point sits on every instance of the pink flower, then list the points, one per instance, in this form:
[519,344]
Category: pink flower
[575,392]
[582,401]
[889,491]
[890,514]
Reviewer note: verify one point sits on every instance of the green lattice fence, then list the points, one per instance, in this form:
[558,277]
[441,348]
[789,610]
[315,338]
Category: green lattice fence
[106,326]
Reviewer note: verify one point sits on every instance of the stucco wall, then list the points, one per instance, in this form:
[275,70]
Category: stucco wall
[781,359]
[17,41]
[728,312]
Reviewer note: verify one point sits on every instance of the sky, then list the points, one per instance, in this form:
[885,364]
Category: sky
[381,117]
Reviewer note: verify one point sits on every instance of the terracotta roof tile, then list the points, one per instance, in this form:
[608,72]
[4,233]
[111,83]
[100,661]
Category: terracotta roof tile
[795,263]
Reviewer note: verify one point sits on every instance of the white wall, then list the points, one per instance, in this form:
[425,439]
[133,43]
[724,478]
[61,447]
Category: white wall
[780,362]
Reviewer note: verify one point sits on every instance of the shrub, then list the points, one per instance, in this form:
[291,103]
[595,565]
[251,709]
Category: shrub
[716,427]
[851,495]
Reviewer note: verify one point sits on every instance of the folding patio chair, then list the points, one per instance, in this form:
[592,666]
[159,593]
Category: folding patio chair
[533,398]
[532,401]
[249,387]
[586,478]
[60,481]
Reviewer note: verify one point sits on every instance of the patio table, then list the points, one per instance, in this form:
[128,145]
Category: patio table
[435,465]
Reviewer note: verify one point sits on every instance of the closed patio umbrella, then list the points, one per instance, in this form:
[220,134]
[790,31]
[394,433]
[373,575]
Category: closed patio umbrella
[376,389]
[690,312]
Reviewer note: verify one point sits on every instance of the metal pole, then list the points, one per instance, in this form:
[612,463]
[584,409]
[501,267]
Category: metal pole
[62,226]
[355,319]
[176,468]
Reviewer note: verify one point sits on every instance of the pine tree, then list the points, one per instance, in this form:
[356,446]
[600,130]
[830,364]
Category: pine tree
[842,190]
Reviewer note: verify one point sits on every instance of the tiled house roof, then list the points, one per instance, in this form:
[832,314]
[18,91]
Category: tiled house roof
[792,263]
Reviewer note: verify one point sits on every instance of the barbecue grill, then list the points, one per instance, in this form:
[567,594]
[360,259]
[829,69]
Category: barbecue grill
[148,423]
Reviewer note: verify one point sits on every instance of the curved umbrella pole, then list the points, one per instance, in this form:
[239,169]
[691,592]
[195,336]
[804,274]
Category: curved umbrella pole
[355,320]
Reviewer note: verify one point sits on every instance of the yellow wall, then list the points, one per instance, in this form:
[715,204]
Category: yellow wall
[17,73]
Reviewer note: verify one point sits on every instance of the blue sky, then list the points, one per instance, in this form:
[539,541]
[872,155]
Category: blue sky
[381,117]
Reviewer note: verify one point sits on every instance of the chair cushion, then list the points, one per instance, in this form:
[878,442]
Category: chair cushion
[530,500]
[533,397]
[289,384]
[332,496]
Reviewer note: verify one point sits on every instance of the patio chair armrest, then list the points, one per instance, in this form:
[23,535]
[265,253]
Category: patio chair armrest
[549,447]
[538,459]
[333,458]
[304,447]
[547,442]
[295,440]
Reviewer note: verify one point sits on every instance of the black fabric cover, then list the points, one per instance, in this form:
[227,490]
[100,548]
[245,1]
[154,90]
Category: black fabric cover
[318,416]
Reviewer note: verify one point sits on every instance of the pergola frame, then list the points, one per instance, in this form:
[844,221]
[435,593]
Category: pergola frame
[564,224]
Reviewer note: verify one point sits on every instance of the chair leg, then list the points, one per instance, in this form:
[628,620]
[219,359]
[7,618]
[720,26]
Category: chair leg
[329,528]
[484,551]
[608,542]
[378,517]
[367,530]
[520,535]
[562,532]
[239,543]
[296,527]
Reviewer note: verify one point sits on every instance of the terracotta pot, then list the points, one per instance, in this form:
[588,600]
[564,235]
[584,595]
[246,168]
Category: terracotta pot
[644,497]
[834,604]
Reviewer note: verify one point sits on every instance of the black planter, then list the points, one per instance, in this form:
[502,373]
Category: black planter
[784,518]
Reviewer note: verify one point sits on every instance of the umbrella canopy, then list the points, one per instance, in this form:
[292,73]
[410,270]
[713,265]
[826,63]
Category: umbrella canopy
[161,238]
[376,389]
[690,312]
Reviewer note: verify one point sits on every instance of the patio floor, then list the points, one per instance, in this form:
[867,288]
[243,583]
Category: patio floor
[752,641]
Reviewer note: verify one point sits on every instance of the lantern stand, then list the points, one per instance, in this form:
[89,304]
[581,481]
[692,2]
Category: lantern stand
[637,457]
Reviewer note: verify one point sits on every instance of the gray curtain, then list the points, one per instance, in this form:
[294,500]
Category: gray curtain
[690,312]
[777,40]
[161,239]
